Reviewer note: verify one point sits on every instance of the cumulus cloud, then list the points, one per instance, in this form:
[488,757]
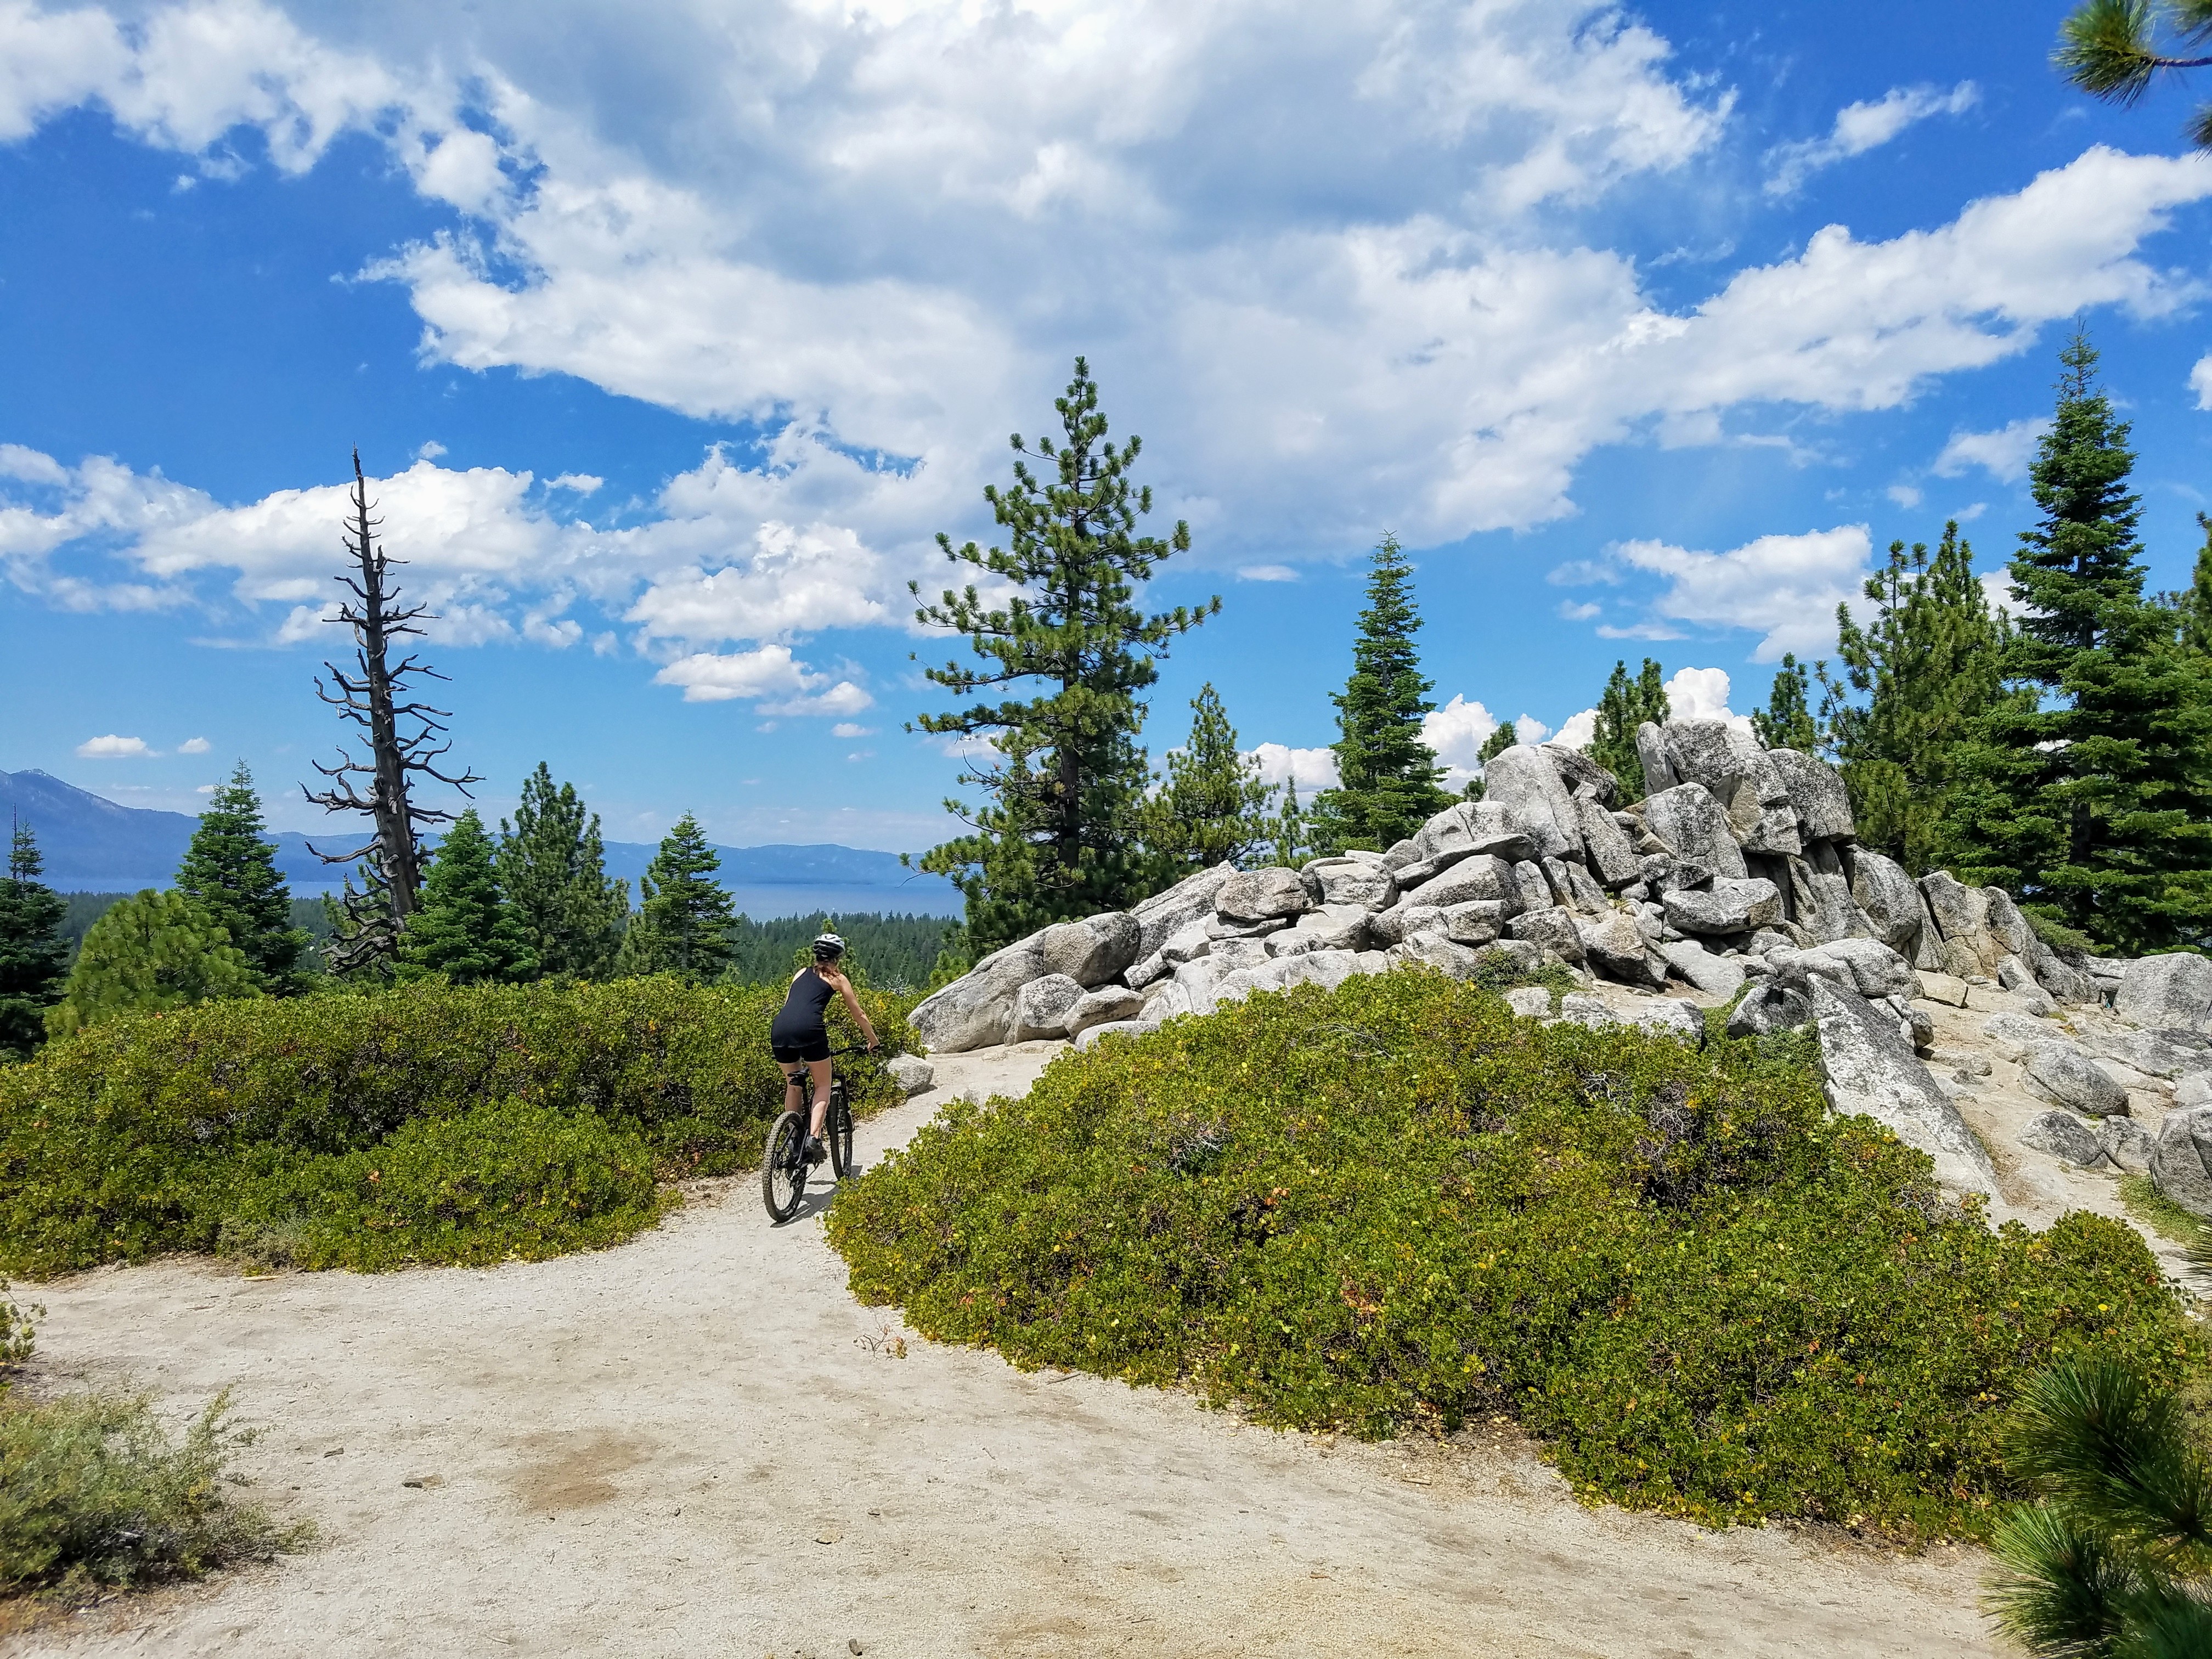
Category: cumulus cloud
[1577,730]
[1861,127]
[113,747]
[846,729]
[2200,380]
[1315,769]
[1457,732]
[769,673]
[852,249]
[2003,455]
[193,746]
[1265,572]
[1702,694]
[1785,587]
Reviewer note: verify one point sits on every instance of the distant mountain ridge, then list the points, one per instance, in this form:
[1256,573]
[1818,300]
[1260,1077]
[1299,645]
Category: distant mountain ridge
[92,845]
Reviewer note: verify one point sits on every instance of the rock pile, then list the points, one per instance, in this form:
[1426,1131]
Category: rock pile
[1740,866]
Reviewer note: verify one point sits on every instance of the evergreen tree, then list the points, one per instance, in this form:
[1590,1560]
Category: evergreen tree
[683,917]
[1928,664]
[1787,722]
[2112,50]
[462,927]
[1386,772]
[2090,788]
[552,869]
[151,952]
[1625,705]
[2192,606]
[1062,835]
[1213,806]
[1492,746]
[230,871]
[32,953]
[1288,830]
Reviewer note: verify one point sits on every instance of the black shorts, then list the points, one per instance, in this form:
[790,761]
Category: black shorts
[807,1047]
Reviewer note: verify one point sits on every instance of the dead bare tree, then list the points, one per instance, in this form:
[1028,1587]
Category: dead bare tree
[378,699]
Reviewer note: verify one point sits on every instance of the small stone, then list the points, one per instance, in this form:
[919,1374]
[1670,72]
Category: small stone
[424,1482]
[1943,988]
[2127,1142]
[1529,1001]
[911,1073]
[2062,1074]
[1768,1009]
[2064,1136]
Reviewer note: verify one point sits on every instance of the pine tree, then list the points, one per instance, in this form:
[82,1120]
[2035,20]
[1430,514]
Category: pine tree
[33,954]
[1386,772]
[684,915]
[1929,664]
[2090,786]
[2112,50]
[150,952]
[462,927]
[230,871]
[1495,744]
[1062,835]
[2192,606]
[1213,807]
[1788,722]
[552,869]
[1623,705]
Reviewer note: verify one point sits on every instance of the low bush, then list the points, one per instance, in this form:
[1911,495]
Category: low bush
[17,1337]
[95,1496]
[241,1121]
[1394,1206]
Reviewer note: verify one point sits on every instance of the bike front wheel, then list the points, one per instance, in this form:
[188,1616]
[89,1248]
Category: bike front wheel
[840,1129]
[783,1168]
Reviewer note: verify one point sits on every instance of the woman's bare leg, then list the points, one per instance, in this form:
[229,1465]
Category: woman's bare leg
[792,1072]
[820,1070]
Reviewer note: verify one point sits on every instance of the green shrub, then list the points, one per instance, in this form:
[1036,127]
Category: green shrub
[506,1180]
[17,1338]
[95,1496]
[149,1133]
[1395,1206]
[154,950]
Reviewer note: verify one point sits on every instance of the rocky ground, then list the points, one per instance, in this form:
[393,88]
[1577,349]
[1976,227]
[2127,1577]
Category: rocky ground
[698,1442]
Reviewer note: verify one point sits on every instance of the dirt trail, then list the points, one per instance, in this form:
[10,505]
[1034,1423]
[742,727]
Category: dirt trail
[699,1443]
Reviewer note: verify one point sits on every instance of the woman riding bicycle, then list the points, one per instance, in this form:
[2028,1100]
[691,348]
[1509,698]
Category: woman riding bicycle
[801,1041]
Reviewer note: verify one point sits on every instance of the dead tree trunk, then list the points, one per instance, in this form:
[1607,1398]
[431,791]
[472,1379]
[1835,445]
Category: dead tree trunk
[377,698]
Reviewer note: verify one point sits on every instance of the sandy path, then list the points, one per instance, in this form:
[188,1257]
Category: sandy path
[622,1468]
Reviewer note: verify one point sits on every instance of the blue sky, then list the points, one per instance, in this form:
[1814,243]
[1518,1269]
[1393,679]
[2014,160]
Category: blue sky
[673,336]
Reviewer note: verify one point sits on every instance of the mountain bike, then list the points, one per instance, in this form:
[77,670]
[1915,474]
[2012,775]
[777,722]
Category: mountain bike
[783,1164]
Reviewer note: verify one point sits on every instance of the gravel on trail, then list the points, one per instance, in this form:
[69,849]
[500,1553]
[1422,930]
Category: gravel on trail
[698,1442]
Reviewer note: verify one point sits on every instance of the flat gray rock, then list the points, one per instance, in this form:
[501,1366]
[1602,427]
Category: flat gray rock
[1435,951]
[2127,1142]
[1731,905]
[2181,1162]
[1719,976]
[1190,900]
[1108,1005]
[976,1010]
[1615,946]
[1768,1009]
[1093,951]
[2170,990]
[2061,1073]
[2064,1136]
[1480,876]
[1668,1016]
[1816,794]
[1609,853]
[1864,965]
[911,1073]
[1691,825]
[1354,881]
[1251,895]
[1551,928]
[1872,1069]
[1042,1007]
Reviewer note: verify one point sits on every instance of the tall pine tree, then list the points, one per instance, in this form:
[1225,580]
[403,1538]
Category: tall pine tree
[1928,665]
[552,869]
[33,954]
[1060,835]
[150,952]
[1213,806]
[2090,788]
[230,871]
[462,927]
[1623,706]
[1788,722]
[1386,772]
[683,917]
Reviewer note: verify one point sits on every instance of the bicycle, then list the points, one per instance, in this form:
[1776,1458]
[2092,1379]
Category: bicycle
[783,1164]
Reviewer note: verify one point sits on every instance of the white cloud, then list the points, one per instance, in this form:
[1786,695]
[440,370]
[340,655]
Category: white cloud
[851,246]
[1529,729]
[1785,587]
[1313,768]
[1906,495]
[1265,572]
[771,673]
[1578,730]
[1702,694]
[2200,380]
[1861,127]
[113,747]
[846,729]
[1571,612]
[193,746]
[1457,732]
[2003,455]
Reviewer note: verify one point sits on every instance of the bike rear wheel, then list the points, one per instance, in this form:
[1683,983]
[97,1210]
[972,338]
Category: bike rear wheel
[840,1128]
[783,1168]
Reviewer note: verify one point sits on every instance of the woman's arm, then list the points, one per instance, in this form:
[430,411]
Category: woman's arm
[852,1002]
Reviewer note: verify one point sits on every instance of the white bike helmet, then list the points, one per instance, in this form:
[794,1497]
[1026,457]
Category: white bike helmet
[827,947]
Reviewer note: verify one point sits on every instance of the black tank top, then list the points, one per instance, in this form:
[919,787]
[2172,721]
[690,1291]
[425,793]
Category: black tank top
[803,1008]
